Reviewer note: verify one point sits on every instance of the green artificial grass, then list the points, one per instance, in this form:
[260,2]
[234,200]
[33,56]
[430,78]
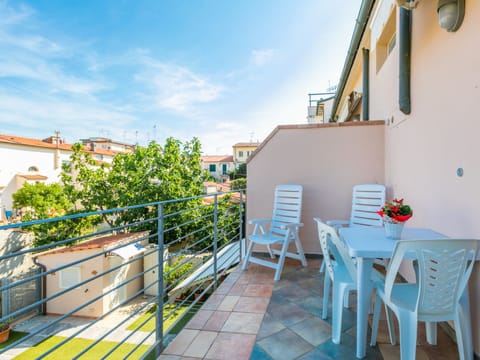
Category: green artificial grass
[76,345]
[14,336]
[149,326]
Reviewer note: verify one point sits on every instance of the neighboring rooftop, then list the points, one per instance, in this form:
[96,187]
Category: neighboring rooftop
[217,158]
[247,144]
[99,242]
[51,142]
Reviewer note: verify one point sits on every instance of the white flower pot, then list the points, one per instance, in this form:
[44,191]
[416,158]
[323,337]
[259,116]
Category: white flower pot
[393,230]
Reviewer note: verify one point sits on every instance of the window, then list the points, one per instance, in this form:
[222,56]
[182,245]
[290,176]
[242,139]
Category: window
[212,168]
[240,154]
[33,169]
[387,40]
[248,153]
[224,169]
[69,277]
[391,44]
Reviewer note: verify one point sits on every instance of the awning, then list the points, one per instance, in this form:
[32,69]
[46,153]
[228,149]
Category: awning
[129,251]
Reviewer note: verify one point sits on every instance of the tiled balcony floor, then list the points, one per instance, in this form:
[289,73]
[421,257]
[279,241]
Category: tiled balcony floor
[252,317]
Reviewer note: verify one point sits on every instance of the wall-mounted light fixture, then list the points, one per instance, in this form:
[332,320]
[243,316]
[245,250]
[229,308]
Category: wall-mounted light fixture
[450,14]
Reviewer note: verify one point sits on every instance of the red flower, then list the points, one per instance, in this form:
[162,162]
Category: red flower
[396,211]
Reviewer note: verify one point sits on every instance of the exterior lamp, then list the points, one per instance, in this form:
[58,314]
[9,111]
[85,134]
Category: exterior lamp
[450,14]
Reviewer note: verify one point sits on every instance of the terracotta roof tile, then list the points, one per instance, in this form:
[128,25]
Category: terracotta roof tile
[19,140]
[247,144]
[217,158]
[33,176]
[98,243]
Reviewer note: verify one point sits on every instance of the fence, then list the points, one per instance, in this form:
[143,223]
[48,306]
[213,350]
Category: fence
[16,298]
[158,260]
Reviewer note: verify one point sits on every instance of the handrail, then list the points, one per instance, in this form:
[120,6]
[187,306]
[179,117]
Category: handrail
[199,245]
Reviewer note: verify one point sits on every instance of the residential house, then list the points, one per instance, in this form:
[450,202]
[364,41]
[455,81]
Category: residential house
[414,86]
[33,160]
[94,143]
[92,257]
[319,110]
[242,151]
[218,166]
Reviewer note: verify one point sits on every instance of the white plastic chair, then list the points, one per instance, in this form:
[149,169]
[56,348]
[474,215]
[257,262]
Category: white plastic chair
[367,199]
[342,271]
[444,267]
[284,225]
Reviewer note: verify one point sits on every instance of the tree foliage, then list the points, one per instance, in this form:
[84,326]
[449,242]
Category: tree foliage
[41,201]
[239,173]
[239,184]
[149,174]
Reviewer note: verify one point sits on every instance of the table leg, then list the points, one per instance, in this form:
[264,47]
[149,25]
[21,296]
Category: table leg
[364,296]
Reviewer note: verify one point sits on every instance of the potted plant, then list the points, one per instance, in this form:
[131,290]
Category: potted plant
[4,331]
[395,214]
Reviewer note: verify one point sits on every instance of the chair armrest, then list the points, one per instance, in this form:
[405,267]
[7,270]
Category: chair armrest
[338,223]
[291,226]
[259,221]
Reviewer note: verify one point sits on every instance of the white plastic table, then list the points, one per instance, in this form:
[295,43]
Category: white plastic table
[366,244]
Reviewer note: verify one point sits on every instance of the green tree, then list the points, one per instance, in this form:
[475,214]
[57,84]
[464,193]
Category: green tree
[239,173]
[149,174]
[42,201]
[239,184]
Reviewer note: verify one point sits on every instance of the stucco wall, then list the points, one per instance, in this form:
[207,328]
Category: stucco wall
[425,148]
[327,159]
[79,295]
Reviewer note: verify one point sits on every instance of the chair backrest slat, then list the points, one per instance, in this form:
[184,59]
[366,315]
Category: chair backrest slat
[444,267]
[367,199]
[287,207]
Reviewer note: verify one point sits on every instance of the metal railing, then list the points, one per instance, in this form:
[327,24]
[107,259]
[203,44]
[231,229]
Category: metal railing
[154,264]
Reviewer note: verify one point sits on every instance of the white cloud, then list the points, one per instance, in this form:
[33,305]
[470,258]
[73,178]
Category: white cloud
[261,57]
[177,88]
[12,16]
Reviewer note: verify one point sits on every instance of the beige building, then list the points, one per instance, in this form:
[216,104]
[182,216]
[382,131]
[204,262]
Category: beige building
[104,254]
[218,166]
[242,151]
[102,143]
[418,136]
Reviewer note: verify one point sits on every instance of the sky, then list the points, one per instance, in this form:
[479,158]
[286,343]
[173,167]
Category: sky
[134,71]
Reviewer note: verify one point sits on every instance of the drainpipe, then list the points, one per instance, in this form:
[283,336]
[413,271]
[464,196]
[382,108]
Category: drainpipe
[360,26]
[404,46]
[43,269]
[365,85]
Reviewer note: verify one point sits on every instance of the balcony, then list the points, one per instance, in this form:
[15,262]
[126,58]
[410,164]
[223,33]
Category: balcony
[212,310]
[72,293]
[105,303]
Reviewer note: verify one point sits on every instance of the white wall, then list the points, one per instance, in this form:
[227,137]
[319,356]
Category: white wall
[17,159]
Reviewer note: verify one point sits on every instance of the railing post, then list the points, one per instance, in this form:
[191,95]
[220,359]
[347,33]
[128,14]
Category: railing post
[240,232]
[215,240]
[160,284]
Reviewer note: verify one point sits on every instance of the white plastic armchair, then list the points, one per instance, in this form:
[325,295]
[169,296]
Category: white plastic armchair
[283,230]
[444,267]
[367,199]
[342,271]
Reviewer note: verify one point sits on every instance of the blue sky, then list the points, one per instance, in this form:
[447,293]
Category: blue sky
[223,71]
